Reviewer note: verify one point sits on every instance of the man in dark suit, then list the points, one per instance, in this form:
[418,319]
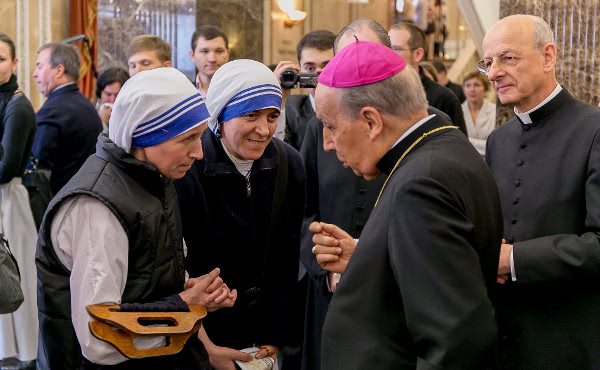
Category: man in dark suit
[442,74]
[68,124]
[546,162]
[409,41]
[314,52]
[419,289]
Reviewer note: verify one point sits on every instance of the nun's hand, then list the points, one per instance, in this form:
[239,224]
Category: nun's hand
[209,291]
[267,350]
[222,358]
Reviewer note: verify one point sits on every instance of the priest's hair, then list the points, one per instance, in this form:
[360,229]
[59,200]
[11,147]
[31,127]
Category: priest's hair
[401,95]
[542,33]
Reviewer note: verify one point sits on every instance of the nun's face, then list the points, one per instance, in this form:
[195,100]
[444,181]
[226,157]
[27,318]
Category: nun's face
[247,136]
[175,156]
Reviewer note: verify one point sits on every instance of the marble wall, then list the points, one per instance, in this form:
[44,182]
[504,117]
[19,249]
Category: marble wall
[576,25]
[242,22]
[255,28]
[30,24]
[119,21]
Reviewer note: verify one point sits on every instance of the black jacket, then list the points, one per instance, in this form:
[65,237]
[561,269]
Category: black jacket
[298,111]
[548,175]
[225,228]
[17,133]
[444,99]
[419,289]
[335,195]
[68,127]
[457,90]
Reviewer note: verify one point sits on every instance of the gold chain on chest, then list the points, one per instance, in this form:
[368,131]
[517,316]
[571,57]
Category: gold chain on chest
[406,152]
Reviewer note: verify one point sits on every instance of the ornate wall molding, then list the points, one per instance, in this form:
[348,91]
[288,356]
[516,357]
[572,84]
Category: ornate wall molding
[22,45]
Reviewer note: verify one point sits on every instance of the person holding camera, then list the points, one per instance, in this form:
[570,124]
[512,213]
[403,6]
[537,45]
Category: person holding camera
[242,207]
[314,52]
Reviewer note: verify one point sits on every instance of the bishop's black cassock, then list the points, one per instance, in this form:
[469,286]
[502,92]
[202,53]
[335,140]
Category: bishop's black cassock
[419,289]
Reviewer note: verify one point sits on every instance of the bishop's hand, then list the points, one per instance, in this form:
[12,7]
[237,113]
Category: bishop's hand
[333,246]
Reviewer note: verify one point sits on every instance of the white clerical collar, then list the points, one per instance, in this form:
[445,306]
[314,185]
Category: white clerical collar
[312,101]
[413,128]
[524,117]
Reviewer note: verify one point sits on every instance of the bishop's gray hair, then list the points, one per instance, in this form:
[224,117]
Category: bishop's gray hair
[360,23]
[401,95]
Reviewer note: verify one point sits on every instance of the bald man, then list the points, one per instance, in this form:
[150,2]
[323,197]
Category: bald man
[546,162]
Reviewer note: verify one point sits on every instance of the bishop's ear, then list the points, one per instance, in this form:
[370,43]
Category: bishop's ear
[373,120]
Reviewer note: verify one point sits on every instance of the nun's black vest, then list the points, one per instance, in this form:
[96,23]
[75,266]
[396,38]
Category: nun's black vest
[147,207]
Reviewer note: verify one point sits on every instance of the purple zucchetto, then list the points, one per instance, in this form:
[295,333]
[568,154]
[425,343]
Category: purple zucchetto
[361,63]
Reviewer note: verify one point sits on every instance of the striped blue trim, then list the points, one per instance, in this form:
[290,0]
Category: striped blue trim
[237,96]
[250,104]
[172,113]
[271,90]
[188,120]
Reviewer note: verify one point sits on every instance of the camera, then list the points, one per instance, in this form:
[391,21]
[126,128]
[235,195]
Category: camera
[291,79]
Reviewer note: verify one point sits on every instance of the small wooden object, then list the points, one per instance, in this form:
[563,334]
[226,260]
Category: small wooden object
[120,328]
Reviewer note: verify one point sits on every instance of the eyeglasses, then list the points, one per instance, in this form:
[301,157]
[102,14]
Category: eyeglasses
[402,49]
[507,59]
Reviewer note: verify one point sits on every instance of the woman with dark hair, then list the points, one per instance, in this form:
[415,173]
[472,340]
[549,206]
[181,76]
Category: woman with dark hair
[108,85]
[480,115]
[18,330]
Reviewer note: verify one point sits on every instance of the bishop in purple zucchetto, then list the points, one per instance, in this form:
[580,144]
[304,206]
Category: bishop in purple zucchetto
[361,63]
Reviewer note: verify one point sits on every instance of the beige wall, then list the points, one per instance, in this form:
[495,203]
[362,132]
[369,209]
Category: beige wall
[31,23]
[322,14]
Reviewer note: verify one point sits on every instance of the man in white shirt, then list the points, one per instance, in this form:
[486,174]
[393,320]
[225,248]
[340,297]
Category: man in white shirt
[210,50]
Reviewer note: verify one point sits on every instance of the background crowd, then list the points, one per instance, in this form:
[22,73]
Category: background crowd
[231,192]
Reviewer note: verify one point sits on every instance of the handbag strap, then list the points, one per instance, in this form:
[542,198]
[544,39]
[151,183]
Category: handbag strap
[4,244]
[278,198]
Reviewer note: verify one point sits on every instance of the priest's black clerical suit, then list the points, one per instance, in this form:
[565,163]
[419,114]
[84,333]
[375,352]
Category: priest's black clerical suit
[548,176]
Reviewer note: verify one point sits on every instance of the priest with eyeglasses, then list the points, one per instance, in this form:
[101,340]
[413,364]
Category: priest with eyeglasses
[546,162]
